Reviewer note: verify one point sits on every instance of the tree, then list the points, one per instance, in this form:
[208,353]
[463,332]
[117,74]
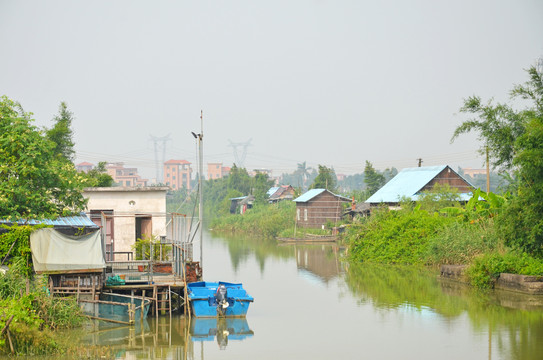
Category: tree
[326,179]
[498,127]
[522,221]
[374,180]
[98,176]
[514,140]
[261,185]
[61,133]
[34,181]
[239,180]
[302,171]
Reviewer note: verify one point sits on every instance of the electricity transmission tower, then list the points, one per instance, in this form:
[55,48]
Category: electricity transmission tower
[240,156]
[160,144]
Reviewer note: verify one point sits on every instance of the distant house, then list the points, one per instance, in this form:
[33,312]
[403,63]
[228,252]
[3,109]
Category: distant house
[124,176]
[241,204]
[278,193]
[318,206]
[217,171]
[127,214]
[84,167]
[177,174]
[411,182]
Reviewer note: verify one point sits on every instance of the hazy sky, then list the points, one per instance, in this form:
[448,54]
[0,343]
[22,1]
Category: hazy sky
[328,82]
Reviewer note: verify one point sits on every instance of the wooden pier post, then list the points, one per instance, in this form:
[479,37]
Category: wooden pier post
[142,306]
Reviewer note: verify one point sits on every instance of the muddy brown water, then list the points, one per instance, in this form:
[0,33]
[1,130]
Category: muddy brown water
[309,304]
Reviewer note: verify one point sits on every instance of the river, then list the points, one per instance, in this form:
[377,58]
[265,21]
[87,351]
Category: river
[311,305]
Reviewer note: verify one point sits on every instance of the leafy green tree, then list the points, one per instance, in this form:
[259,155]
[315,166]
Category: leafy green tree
[34,181]
[515,141]
[302,172]
[239,180]
[61,133]
[522,222]
[498,126]
[326,179]
[261,185]
[374,180]
[98,176]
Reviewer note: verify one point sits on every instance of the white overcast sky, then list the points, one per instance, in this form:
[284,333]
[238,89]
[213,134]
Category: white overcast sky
[330,82]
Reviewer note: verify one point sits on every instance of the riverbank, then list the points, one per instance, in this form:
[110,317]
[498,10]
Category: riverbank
[415,236]
[432,233]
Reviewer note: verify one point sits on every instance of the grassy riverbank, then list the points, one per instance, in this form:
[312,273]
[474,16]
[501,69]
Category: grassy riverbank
[266,220]
[418,236]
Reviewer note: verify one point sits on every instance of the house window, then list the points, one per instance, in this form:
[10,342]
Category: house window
[305,214]
[298,214]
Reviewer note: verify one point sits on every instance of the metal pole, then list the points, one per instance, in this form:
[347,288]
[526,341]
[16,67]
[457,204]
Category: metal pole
[200,186]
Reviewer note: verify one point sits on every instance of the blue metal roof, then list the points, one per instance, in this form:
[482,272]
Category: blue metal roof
[310,194]
[407,184]
[72,221]
[272,190]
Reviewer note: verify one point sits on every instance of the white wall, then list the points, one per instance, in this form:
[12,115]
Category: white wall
[126,203]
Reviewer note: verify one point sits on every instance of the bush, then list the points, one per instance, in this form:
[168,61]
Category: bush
[485,270]
[35,313]
[460,242]
[263,219]
[395,237]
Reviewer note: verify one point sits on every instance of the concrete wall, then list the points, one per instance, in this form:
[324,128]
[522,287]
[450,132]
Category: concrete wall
[127,203]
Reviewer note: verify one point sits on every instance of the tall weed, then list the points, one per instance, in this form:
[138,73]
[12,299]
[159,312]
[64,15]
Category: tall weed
[459,242]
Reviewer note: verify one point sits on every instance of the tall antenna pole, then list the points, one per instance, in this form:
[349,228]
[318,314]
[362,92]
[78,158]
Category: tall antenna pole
[200,186]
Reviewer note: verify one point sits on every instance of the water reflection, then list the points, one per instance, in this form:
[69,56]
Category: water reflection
[320,261]
[351,307]
[163,337]
[220,329]
[513,322]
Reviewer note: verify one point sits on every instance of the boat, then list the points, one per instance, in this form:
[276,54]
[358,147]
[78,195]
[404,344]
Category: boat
[222,299]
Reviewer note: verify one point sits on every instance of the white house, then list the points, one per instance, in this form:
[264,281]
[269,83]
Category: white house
[126,214]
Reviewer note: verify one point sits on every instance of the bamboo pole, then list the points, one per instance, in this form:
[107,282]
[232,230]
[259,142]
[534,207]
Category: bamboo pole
[108,320]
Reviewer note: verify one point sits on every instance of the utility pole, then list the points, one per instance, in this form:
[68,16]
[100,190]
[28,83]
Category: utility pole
[487,172]
[200,186]
[420,162]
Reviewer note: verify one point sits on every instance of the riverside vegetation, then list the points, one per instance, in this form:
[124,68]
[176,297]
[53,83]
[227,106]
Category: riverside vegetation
[38,180]
[491,233]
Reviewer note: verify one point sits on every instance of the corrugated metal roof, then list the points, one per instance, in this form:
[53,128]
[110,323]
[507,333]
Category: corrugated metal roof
[310,194]
[72,221]
[407,184]
[272,190]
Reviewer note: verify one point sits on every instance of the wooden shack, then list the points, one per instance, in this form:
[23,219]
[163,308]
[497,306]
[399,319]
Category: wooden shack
[411,182]
[280,193]
[317,207]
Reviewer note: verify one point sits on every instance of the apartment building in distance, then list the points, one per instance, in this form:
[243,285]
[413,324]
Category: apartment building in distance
[84,167]
[124,176]
[217,171]
[177,174]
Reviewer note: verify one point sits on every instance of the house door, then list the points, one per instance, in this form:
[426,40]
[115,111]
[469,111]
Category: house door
[105,219]
[144,227]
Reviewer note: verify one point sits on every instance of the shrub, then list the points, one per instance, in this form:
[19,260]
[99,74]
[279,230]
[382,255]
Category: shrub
[395,237]
[460,242]
[485,270]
